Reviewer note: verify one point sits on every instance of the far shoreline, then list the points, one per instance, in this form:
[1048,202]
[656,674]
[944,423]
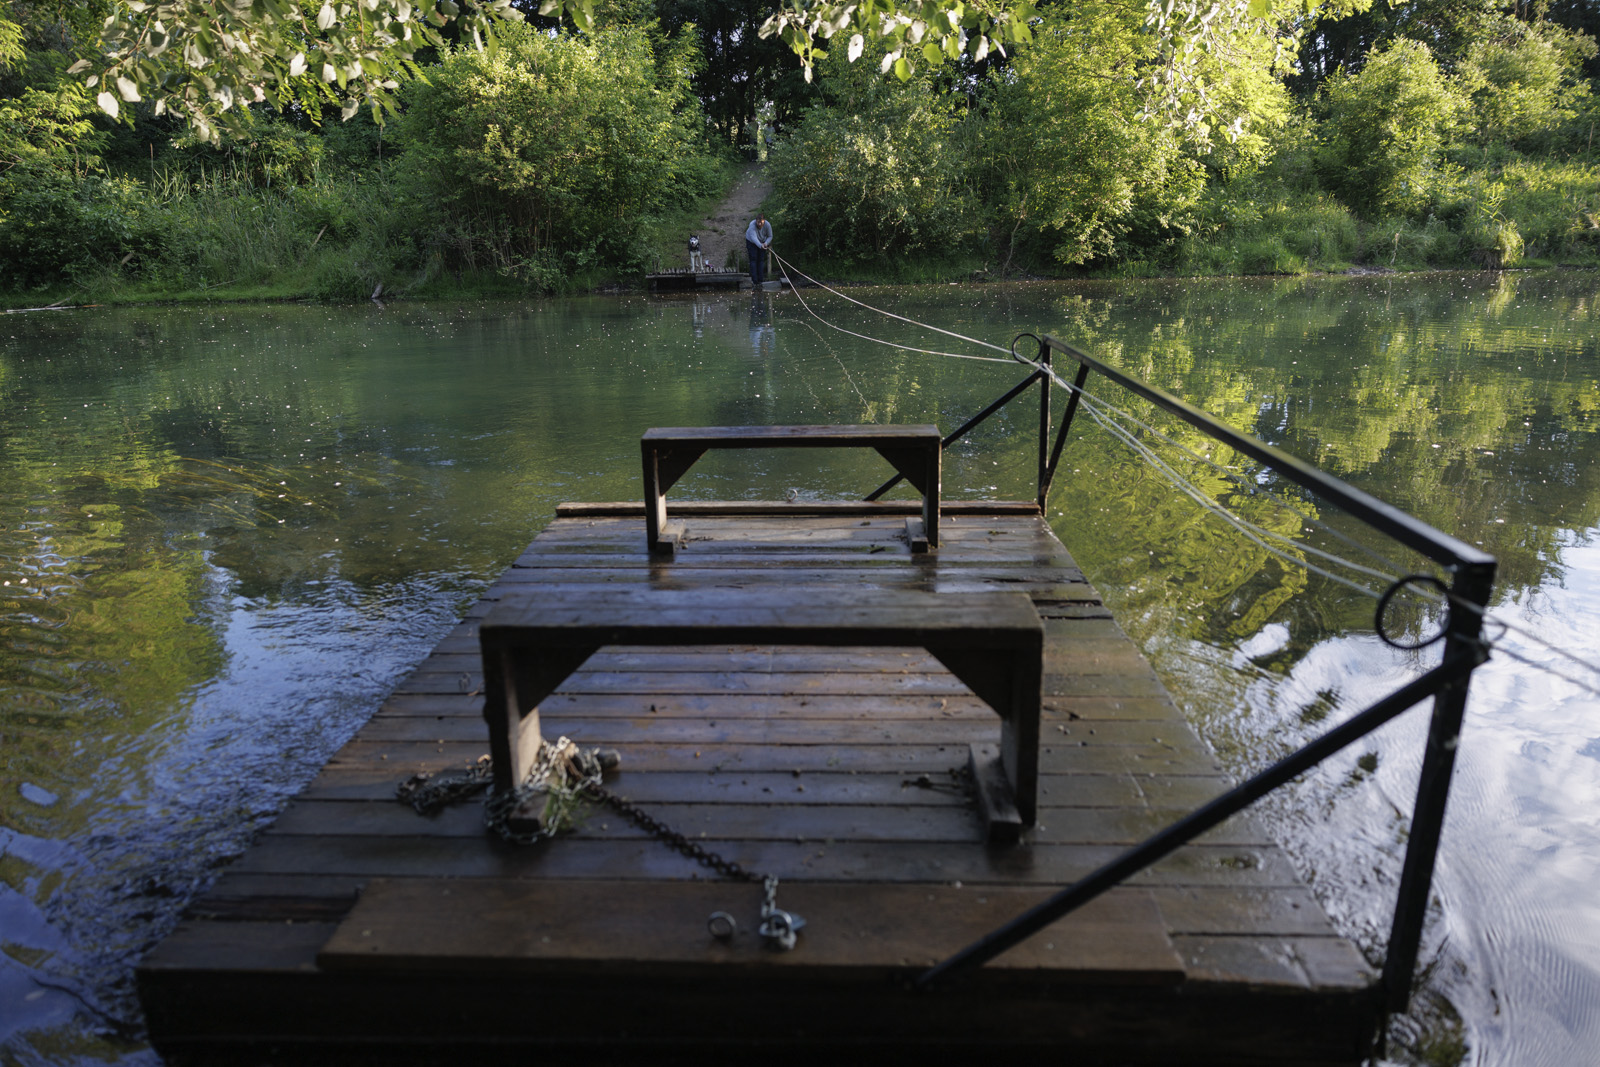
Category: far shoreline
[78,300]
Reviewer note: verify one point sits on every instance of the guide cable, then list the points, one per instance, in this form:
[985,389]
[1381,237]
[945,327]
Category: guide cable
[878,340]
[1106,414]
[1259,535]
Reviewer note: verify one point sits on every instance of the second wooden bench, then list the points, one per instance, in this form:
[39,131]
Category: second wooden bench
[668,453]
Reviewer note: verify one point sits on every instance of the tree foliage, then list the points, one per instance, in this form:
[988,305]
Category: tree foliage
[1066,157]
[1071,152]
[1100,134]
[554,144]
[1385,128]
[741,70]
[207,60]
[1522,82]
[204,59]
[875,171]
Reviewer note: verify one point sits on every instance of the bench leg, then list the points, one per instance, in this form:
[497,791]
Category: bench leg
[997,802]
[1007,778]
[1019,740]
[515,682]
[655,503]
[662,469]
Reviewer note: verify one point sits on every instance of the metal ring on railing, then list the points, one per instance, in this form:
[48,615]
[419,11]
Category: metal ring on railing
[1019,337]
[1383,605]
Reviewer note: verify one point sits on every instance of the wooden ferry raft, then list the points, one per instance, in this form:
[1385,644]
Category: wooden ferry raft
[683,279]
[355,923]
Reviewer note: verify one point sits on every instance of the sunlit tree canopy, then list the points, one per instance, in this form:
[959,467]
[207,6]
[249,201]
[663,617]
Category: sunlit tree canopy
[205,60]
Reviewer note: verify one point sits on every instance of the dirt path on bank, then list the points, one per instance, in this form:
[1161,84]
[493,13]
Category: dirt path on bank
[722,231]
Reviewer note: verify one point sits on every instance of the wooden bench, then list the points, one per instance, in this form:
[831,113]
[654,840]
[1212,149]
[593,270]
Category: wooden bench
[669,452]
[538,636]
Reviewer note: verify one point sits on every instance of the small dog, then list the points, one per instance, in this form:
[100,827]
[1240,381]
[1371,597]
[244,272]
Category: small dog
[697,262]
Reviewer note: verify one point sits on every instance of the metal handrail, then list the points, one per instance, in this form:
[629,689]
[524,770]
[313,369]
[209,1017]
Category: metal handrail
[1472,576]
[1385,518]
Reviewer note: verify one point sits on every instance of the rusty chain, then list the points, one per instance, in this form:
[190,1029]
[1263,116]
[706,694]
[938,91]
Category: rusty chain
[565,772]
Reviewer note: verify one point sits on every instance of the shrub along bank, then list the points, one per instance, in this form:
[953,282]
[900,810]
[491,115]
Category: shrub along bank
[1433,133]
[555,161]
[1403,154]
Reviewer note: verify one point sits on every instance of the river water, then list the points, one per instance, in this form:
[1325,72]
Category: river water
[225,532]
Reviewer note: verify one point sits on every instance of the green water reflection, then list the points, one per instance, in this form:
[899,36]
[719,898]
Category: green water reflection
[226,532]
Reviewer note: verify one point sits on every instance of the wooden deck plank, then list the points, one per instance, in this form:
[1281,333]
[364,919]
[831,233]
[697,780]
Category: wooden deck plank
[1188,911]
[774,820]
[438,925]
[1068,709]
[383,764]
[810,509]
[647,861]
[457,680]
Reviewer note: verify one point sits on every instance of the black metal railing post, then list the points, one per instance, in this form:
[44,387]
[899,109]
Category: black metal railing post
[961,431]
[1209,815]
[1048,476]
[1044,422]
[1473,571]
[1463,629]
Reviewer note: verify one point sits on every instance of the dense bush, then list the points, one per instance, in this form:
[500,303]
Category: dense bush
[55,227]
[876,171]
[550,149]
[564,159]
[1384,130]
[1066,159]
[1267,228]
[1523,84]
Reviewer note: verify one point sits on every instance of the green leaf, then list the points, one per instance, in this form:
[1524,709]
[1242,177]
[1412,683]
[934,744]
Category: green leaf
[1260,9]
[932,53]
[902,70]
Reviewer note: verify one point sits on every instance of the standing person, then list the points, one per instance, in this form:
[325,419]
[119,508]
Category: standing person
[757,239]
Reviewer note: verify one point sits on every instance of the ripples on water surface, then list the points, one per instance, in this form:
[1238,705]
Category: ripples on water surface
[226,532]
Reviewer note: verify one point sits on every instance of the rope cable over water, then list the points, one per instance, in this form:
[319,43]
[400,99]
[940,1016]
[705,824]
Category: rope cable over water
[1243,483]
[784,265]
[1099,411]
[1258,534]
[1106,416]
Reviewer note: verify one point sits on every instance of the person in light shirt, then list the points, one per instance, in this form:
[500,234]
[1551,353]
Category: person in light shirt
[757,239]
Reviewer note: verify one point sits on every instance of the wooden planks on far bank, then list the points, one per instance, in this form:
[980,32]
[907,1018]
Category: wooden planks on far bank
[353,921]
